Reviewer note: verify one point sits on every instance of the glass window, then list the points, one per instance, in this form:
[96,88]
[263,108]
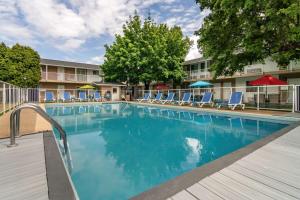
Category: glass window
[95,72]
[115,90]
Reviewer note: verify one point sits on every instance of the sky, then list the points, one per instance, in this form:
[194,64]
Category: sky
[77,30]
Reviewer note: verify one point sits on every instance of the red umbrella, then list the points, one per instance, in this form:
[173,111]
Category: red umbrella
[267,80]
[162,86]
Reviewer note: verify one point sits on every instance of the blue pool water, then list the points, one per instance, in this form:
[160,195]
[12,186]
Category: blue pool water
[121,150]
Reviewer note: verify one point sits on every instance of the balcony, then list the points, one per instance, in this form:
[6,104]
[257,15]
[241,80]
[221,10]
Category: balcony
[65,77]
[196,74]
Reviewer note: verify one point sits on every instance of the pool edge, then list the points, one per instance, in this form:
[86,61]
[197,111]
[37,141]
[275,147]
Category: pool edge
[60,185]
[177,184]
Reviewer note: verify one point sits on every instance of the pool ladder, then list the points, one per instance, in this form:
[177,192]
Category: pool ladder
[15,124]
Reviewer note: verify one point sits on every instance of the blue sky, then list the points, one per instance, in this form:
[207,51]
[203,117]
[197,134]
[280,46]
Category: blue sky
[77,30]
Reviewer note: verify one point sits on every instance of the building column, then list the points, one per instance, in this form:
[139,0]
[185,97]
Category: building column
[76,79]
[46,72]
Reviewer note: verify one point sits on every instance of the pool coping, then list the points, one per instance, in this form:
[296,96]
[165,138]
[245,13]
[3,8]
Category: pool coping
[60,185]
[179,183]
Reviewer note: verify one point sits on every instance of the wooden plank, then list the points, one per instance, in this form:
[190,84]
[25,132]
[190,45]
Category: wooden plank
[240,188]
[23,170]
[272,172]
[183,195]
[221,190]
[265,189]
[284,188]
[203,193]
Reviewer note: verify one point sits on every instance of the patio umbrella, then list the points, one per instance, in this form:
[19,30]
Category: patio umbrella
[267,80]
[87,87]
[162,86]
[200,84]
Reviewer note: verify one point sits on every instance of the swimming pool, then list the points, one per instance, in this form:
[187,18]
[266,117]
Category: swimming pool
[120,150]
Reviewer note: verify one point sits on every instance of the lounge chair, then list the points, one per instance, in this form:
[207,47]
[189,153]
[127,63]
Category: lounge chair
[66,97]
[186,99]
[97,96]
[49,97]
[206,99]
[82,96]
[157,98]
[169,98]
[145,98]
[235,100]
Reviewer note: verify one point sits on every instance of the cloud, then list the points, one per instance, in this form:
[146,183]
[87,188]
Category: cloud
[194,51]
[96,60]
[70,45]
[71,25]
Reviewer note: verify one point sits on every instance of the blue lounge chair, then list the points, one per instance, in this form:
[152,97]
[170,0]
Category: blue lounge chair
[145,98]
[206,99]
[66,97]
[235,100]
[82,96]
[157,98]
[186,99]
[49,96]
[97,96]
[169,98]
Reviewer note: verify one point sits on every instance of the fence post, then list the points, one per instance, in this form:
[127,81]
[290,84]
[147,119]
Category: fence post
[294,98]
[4,97]
[9,96]
[257,101]
[193,95]
[179,95]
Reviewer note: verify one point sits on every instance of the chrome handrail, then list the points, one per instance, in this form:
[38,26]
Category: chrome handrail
[15,123]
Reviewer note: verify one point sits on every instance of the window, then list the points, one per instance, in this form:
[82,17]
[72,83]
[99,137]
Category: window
[95,72]
[202,66]
[249,88]
[115,90]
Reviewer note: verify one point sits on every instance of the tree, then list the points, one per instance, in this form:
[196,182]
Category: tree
[19,65]
[146,52]
[239,33]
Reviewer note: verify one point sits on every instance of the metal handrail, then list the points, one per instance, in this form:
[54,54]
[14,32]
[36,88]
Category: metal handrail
[15,123]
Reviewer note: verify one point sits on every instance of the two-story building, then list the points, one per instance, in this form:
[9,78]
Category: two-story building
[199,69]
[59,76]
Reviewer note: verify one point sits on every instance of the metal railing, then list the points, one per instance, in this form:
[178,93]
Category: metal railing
[55,76]
[273,97]
[15,124]
[11,96]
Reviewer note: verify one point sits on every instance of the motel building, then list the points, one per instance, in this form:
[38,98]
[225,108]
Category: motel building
[60,76]
[199,69]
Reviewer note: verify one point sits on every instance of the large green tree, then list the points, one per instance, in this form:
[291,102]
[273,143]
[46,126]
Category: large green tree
[240,32]
[19,65]
[146,52]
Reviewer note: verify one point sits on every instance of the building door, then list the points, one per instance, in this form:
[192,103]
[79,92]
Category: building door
[116,93]
[61,73]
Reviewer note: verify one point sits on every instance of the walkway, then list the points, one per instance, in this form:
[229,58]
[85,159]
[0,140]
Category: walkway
[271,172]
[23,170]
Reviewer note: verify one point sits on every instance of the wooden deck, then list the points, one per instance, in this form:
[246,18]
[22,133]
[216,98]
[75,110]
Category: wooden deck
[271,172]
[23,170]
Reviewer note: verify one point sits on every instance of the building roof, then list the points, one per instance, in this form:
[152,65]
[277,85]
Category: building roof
[108,84]
[62,63]
[193,61]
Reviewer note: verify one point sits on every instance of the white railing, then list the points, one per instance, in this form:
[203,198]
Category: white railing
[54,76]
[275,97]
[10,96]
